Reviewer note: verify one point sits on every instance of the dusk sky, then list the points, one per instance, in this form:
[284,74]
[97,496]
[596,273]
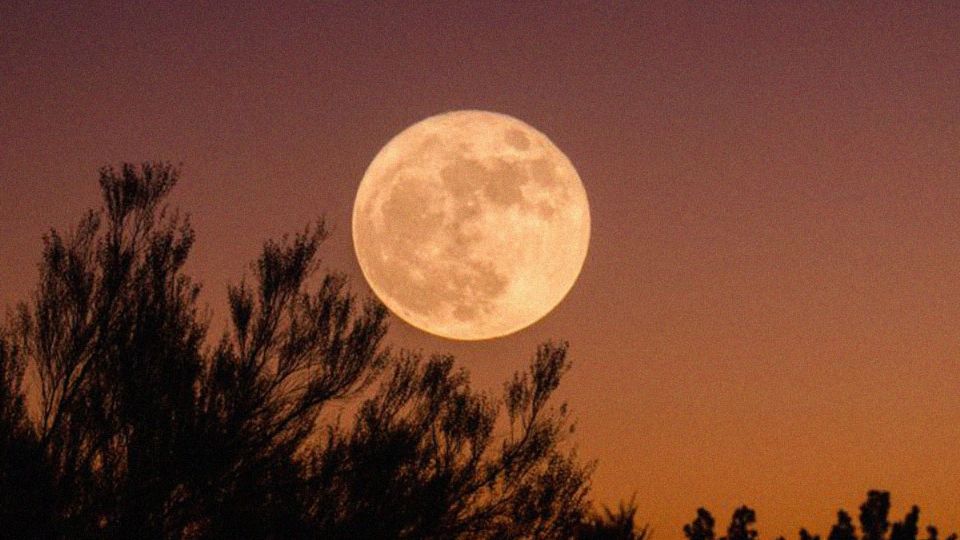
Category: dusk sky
[769,311]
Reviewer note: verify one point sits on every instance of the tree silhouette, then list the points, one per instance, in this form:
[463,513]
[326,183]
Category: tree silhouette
[421,459]
[140,425]
[741,525]
[701,528]
[740,528]
[614,525]
[146,428]
[25,490]
[906,529]
[114,336]
[844,529]
[873,515]
[874,524]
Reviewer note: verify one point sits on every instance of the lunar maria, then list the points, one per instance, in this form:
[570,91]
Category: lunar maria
[471,225]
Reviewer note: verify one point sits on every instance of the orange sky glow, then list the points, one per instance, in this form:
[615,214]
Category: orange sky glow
[769,312]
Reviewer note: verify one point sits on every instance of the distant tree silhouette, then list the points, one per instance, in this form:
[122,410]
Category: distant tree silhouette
[874,524]
[701,528]
[906,529]
[614,525]
[873,515]
[844,529]
[741,525]
[145,428]
[740,528]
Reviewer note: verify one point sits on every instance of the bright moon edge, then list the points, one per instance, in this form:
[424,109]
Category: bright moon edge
[471,225]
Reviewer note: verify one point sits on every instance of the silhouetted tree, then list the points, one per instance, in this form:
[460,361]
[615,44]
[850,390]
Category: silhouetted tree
[908,528]
[114,336]
[933,533]
[701,528]
[25,488]
[289,353]
[422,459]
[873,522]
[741,525]
[844,529]
[873,515]
[145,429]
[614,525]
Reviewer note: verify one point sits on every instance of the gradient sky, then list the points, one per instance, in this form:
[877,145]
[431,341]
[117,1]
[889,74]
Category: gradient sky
[770,309]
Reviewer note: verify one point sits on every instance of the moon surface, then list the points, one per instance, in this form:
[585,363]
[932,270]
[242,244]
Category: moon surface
[471,225]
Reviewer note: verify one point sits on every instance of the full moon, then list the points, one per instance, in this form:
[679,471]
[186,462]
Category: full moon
[471,225]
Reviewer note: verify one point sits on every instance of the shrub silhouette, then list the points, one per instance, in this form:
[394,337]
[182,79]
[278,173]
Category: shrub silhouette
[610,525]
[844,529]
[874,524]
[147,428]
[700,528]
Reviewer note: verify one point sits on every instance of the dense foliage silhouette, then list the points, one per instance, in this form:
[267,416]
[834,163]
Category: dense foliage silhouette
[614,525]
[144,427]
[140,424]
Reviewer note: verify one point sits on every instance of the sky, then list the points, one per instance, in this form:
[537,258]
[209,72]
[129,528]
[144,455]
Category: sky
[769,311]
